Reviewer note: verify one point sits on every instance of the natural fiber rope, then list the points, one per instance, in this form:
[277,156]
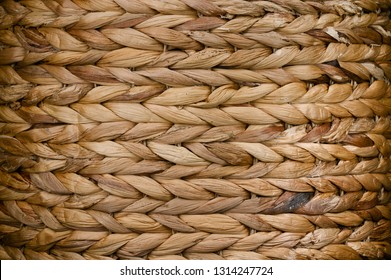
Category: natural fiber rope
[195,129]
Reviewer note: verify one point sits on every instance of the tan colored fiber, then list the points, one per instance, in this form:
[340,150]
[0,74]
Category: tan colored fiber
[195,129]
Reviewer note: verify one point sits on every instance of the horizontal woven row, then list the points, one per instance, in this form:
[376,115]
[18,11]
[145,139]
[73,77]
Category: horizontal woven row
[195,129]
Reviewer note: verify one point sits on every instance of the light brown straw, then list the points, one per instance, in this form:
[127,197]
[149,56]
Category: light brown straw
[195,129]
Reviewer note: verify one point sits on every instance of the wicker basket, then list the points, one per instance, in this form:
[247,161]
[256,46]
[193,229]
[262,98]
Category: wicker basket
[195,129]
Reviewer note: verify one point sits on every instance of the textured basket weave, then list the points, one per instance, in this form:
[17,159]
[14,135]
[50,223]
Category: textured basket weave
[195,129]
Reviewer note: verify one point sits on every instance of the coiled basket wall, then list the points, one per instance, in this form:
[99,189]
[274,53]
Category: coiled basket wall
[195,129]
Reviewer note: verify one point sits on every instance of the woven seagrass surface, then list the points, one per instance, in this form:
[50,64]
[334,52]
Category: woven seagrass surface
[195,129]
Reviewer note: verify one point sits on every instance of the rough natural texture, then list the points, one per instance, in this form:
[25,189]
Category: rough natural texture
[195,129]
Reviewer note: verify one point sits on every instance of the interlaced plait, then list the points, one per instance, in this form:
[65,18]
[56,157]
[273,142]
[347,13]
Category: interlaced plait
[195,129]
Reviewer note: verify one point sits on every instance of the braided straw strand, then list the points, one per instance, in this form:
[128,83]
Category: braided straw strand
[195,130]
